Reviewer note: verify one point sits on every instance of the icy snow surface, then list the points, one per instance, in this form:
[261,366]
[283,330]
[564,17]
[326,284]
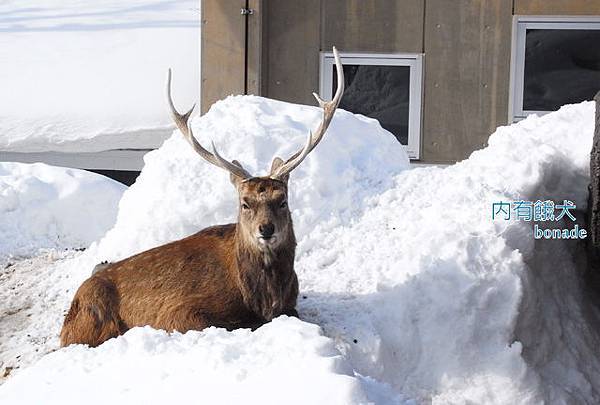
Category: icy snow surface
[420,295]
[82,75]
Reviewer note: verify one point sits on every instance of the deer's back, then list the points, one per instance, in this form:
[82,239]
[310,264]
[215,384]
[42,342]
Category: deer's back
[191,272]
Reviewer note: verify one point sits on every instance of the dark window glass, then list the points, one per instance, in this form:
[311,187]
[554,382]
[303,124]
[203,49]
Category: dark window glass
[380,92]
[561,67]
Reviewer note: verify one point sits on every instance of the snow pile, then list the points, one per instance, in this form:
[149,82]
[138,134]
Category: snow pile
[450,306]
[422,294]
[180,193]
[89,76]
[267,367]
[43,206]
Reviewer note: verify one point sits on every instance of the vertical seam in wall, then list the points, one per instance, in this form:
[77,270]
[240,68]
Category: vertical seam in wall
[422,134]
[321,26]
[264,50]
[513,7]
[423,33]
[246,16]
[201,29]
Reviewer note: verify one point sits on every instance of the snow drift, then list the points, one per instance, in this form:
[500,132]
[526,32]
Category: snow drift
[421,293]
[267,367]
[89,76]
[43,206]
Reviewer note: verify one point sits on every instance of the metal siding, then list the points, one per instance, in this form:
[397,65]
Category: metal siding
[467,67]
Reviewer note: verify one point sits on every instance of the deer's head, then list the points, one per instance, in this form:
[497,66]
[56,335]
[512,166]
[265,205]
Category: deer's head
[264,216]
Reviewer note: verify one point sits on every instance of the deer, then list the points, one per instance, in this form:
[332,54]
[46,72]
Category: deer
[238,275]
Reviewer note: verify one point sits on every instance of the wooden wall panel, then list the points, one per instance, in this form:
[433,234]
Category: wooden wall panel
[255,47]
[373,25]
[222,50]
[467,62]
[557,7]
[295,32]
[292,58]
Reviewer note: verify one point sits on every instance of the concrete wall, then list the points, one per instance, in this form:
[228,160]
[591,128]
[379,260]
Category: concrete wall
[466,45]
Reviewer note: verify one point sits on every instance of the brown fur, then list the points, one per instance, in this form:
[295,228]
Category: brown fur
[222,276]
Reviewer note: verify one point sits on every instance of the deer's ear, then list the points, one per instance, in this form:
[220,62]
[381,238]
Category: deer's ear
[235,180]
[277,163]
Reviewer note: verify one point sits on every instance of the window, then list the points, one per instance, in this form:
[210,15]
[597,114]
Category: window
[386,87]
[555,61]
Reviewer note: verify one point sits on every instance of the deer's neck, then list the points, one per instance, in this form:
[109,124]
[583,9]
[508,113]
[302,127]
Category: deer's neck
[264,276]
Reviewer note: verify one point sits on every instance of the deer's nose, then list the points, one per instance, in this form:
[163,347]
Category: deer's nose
[266,230]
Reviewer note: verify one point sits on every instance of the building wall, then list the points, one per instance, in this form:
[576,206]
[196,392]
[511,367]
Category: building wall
[467,71]
[557,7]
[466,45]
[222,50]
[292,41]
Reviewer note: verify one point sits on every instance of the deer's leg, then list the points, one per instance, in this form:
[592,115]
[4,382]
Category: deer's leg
[94,314]
[182,318]
[291,298]
[291,312]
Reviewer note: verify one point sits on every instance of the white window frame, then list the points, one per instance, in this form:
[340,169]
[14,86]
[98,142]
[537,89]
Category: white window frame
[521,23]
[414,61]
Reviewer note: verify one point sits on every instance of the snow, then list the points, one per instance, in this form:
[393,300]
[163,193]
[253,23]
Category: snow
[419,296]
[44,207]
[89,76]
[33,299]
[267,366]
[45,213]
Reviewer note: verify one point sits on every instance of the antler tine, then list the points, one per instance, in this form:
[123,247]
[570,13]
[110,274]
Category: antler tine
[182,122]
[229,166]
[313,140]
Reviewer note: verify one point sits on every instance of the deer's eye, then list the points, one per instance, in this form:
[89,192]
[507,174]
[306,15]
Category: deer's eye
[245,206]
[283,204]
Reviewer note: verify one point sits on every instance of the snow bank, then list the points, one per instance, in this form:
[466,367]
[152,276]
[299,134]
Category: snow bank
[421,292]
[89,76]
[287,361]
[449,306]
[43,206]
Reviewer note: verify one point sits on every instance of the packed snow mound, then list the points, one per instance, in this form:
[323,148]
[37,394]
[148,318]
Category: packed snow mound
[89,76]
[422,293]
[286,361]
[44,206]
[178,193]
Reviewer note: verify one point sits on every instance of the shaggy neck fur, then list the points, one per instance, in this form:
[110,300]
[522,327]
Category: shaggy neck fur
[265,274]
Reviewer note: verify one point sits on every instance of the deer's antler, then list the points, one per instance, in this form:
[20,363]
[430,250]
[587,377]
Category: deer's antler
[313,140]
[280,171]
[182,122]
